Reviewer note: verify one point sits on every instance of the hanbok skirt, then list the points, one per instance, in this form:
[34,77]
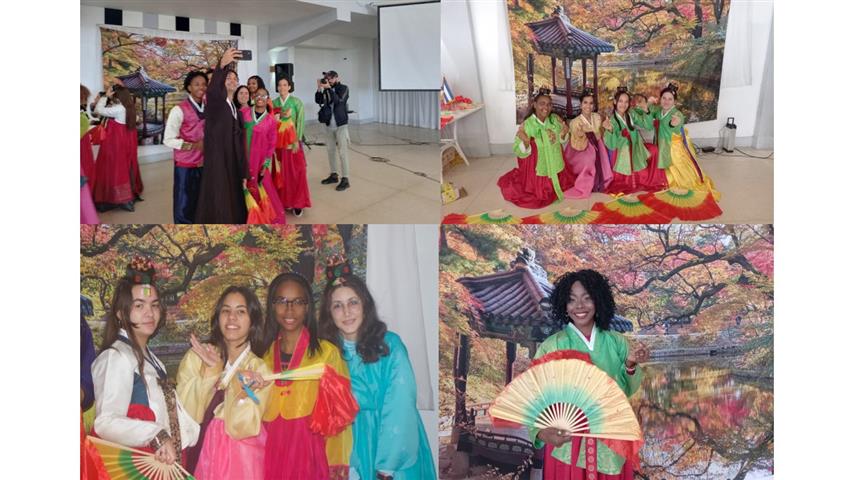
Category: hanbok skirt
[223,457]
[649,179]
[523,187]
[117,180]
[554,469]
[294,452]
[590,167]
[684,172]
[292,180]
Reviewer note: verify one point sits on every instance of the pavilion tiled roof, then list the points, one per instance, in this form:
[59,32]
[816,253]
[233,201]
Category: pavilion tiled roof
[514,305]
[141,85]
[557,35]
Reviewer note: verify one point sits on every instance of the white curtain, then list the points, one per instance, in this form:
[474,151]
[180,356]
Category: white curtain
[402,274]
[763,135]
[413,109]
[737,55]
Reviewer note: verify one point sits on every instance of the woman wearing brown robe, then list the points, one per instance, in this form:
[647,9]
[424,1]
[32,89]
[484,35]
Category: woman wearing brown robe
[221,197]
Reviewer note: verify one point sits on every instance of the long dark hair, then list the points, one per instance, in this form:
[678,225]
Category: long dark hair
[259,80]
[237,102]
[598,288]
[118,318]
[256,322]
[271,326]
[370,344]
[619,93]
[126,99]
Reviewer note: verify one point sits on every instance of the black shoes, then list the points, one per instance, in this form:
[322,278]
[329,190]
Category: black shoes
[343,185]
[333,178]
[297,212]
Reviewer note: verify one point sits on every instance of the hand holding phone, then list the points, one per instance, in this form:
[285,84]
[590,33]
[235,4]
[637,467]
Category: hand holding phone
[245,55]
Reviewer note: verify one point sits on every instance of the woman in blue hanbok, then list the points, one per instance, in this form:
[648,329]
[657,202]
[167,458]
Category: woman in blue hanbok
[389,440]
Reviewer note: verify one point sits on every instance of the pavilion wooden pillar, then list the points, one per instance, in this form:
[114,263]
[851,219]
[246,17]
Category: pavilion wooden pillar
[144,117]
[595,81]
[583,68]
[529,75]
[553,73]
[461,360]
[567,71]
[510,359]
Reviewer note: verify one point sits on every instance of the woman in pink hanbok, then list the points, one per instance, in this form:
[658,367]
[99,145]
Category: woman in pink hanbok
[261,133]
[586,155]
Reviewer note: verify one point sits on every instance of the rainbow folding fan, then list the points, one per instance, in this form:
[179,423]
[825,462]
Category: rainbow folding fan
[125,463]
[572,395]
[493,217]
[683,204]
[628,210]
[564,216]
[257,214]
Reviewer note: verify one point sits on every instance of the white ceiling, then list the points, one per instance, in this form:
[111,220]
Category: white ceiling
[251,12]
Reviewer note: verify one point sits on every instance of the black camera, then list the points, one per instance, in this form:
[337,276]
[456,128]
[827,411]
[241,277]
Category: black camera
[324,81]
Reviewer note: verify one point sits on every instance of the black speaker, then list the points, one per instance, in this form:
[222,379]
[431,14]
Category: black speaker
[283,70]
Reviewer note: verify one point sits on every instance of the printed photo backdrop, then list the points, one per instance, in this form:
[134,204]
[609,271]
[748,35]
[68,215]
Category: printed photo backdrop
[656,42]
[196,263]
[699,296]
[166,60]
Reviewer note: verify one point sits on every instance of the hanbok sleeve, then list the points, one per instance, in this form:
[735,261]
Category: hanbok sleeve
[642,119]
[399,436]
[113,111]
[300,119]
[339,447]
[195,385]
[631,383]
[243,416]
[271,134]
[173,127]
[520,150]
[112,374]
[613,138]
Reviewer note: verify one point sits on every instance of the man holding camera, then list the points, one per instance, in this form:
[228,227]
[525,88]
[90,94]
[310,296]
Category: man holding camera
[332,97]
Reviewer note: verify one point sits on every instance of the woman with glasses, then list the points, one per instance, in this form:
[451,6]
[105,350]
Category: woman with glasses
[260,146]
[389,440]
[308,426]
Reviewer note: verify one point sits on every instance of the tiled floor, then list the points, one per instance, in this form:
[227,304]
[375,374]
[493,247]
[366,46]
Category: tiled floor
[406,190]
[745,184]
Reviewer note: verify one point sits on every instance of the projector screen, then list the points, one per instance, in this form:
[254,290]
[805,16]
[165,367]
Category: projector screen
[409,46]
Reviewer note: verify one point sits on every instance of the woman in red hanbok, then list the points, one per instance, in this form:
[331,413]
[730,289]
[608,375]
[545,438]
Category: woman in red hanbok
[117,179]
[261,130]
[292,177]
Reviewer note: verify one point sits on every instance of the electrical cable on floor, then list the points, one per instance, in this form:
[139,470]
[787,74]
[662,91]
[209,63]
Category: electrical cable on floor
[311,141]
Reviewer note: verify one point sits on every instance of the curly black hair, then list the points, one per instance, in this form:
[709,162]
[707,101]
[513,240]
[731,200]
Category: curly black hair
[599,290]
[371,334]
[190,76]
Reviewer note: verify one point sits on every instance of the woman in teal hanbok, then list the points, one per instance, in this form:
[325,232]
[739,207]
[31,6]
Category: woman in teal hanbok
[389,440]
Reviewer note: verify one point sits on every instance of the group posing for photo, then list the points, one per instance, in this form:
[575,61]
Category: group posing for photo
[230,142]
[239,409]
[606,154]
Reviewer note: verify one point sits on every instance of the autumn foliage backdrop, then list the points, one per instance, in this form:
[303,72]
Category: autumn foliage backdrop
[657,41]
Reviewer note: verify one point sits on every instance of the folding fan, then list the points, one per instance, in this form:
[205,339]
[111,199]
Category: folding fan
[565,216]
[257,215]
[125,463]
[683,204]
[311,372]
[572,395]
[493,217]
[628,210]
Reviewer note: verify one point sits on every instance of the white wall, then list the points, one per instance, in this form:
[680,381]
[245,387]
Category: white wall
[352,57]
[749,28]
[90,46]
[457,57]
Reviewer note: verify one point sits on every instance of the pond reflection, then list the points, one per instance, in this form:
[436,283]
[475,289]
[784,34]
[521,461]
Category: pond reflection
[702,421]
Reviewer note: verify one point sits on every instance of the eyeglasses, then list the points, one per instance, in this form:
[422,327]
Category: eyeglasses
[285,302]
[262,97]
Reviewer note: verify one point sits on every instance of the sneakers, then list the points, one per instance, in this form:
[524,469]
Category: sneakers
[343,185]
[297,212]
[333,178]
